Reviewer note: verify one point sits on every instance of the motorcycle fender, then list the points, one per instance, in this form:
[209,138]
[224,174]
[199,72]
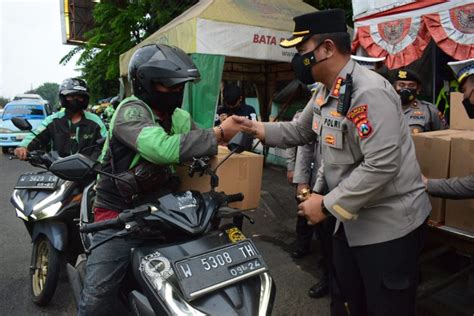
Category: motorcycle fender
[139,304]
[56,232]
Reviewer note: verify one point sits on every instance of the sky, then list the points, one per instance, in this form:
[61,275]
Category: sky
[31,46]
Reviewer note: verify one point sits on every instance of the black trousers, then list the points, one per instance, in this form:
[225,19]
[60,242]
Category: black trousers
[304,233]
[378,279]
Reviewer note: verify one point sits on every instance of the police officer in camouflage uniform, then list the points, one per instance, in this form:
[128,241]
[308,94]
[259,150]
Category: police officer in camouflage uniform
[421,116]
[148,133]
[375,190]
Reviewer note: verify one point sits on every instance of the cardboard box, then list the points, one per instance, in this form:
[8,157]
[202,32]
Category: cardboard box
[460,213]
[458,116]
[241,173]
[433,154]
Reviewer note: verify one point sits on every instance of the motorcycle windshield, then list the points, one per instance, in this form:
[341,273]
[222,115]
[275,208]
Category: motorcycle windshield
[189,211]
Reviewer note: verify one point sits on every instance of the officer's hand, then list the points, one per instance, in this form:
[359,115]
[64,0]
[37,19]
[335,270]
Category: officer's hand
[425,181]
[21,153]
[250,127]
[311,209]
[289,176]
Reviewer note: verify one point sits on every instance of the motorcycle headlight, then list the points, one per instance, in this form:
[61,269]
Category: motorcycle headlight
[21,215]
[156,269]
[48,211]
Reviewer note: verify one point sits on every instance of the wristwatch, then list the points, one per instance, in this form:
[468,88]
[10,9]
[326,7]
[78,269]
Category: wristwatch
[324,209]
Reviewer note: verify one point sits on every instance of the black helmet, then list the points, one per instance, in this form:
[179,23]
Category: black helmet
[74,86]
[161,63]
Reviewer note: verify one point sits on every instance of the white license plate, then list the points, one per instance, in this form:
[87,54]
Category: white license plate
[204,273]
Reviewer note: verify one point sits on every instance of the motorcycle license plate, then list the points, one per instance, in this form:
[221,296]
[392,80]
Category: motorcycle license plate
[220,267]
[37,182]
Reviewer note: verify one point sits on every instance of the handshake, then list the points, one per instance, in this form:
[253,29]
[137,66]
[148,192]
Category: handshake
[234,124]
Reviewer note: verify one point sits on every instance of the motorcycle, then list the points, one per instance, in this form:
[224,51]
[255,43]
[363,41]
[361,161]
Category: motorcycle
[189,264]
[48,206]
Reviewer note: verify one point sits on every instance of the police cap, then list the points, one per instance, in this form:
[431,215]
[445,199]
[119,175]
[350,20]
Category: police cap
[319,22]
[407,75]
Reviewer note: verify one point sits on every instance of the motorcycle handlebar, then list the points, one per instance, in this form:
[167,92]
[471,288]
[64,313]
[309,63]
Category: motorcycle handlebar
[95,227]
[234,197]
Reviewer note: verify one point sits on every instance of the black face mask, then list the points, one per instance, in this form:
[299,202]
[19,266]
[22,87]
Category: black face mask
[166,102]
[407,95]
[469,106]
[75,106]
[302,65]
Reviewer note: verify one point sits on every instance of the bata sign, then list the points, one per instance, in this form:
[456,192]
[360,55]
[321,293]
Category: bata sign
[266,39]
[245,41]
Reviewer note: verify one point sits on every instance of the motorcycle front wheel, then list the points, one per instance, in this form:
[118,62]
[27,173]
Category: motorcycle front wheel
[45,273]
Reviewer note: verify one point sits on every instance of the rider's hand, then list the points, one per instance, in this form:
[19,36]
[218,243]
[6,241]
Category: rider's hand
[223,117]
[21,153]
[230,128]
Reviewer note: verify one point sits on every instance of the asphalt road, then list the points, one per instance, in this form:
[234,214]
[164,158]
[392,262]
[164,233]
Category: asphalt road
[272,233]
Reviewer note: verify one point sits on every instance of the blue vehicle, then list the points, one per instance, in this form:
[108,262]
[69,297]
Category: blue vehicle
[35,111]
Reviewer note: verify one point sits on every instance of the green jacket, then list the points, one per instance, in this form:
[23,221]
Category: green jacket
[58,133]
[136,134]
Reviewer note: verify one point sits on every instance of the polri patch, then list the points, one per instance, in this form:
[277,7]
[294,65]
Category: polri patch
[359,116]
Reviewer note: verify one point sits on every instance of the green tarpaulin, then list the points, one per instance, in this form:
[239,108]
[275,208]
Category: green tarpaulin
[200,98]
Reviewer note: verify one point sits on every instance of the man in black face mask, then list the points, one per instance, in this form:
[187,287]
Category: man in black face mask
[148,133]
[464,71]
[68,131]
[421,116]
[234,105]
[369,181]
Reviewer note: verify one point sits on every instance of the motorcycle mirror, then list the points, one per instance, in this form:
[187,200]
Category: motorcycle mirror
[241,142]
[76,167]
[22,124]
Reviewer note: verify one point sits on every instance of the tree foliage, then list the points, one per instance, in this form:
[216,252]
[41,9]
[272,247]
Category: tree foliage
[48,91]
[333,4]
[119,25]
[3,101]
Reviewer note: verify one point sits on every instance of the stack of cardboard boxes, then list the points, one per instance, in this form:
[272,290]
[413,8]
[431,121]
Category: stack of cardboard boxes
[449,153]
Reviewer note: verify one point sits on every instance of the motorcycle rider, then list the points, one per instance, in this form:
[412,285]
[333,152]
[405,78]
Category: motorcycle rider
[149,131]
[70,131]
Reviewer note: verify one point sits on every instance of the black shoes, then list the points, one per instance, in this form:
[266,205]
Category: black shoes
[299,253]
[319,290]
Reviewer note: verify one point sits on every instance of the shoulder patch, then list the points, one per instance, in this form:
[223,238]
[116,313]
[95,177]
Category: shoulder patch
[357,112]
[134,113]
[359,117]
